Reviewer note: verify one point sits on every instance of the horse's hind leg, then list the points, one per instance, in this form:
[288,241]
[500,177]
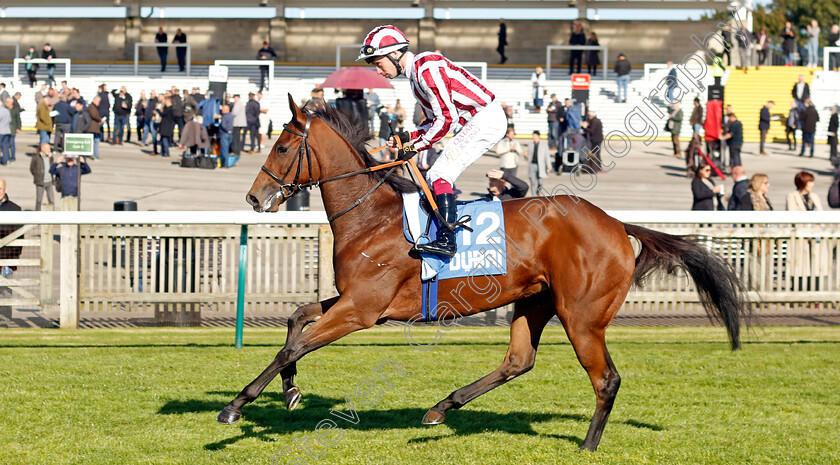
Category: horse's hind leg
[303,316]
[529,318]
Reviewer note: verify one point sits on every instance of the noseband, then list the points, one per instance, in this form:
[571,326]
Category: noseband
[288,190]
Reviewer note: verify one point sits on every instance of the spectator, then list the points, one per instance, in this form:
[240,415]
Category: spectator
[48,54]
[622,71]
[161,38]
[809,126]
[252,120]
[104,108]
[553,123]
[801,91]
[122,110]
[498,180]
[181,53]
[734,140]
[81,118]
[71,179]
[813,44]
[15,126]
[593,60]
[225,133]
[674,126]
[399,115]
[195,138]
[149,117]
[7,252]
[739,188]
[373,104]
[240,121]
[40,165]
[177,112]
[726,34]
[764,125]
[509,152]
[95,126]
[263,120]
[210,110]
[197,96]
[696,119]
[31,68]
[761,45]
[594,133]
[3,93]
[792,124]
[833,39]
[5,135]
[166,128]
[671,81]
[538,88]
[64,89]
[756,196]
[564,125]
[502,41]
[140,116]
[704,189]
[801,199]
[265,53]
[788,43]
[44,124]
[537,160]
[833,127]
[577,38]
[63,121]
[508,115]
[316,100]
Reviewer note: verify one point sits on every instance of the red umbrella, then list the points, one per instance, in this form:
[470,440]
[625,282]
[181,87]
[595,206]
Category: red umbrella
[356,77]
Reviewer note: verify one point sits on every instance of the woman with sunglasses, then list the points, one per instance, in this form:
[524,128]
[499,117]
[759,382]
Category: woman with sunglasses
[704,189]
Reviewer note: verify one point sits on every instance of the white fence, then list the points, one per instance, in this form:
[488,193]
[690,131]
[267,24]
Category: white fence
[186,262]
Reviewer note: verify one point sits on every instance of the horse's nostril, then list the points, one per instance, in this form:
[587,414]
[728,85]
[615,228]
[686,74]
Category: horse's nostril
[252,199]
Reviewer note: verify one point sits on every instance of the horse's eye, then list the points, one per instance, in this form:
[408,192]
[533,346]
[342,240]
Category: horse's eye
[281,149]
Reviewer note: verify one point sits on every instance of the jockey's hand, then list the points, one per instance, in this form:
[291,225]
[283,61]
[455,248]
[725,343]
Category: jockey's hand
[406,153]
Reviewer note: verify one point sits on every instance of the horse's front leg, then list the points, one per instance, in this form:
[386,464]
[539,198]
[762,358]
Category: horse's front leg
[297,322]
[341,320]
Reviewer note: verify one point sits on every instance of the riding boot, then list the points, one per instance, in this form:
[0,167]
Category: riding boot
[444,245]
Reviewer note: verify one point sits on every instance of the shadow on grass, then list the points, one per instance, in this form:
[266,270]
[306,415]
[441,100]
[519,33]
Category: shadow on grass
[268,417]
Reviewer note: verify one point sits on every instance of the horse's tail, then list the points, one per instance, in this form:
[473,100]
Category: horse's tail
[722,293]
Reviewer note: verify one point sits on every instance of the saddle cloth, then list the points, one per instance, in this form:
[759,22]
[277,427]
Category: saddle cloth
[480,252]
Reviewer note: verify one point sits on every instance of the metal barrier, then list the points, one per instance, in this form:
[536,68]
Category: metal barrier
[604,62]
[187,261]
[40,61]
[137,46]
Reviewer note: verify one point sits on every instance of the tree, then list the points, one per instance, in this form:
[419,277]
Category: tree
[799,13]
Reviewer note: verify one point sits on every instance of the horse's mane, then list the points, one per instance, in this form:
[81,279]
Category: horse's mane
[355,131]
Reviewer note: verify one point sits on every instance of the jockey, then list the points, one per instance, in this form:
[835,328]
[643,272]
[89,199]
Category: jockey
[452,100]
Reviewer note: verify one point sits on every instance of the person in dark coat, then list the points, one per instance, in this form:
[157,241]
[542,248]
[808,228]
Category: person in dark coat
[593,60]
[734,139]
[788,43]
[167,126]
[265,53]
[177,110]
[7,252]
[739,188]
[95,126]
[161,38]
[801,90]
[577,38]
[809,127]
[104,108]
[502,41]
[70,173]
[39,167]
[833,126]
[498,181]
[704,189]
[594,132]
[764,124]
[180,52]
[122,109]
[151,127]
[252,117]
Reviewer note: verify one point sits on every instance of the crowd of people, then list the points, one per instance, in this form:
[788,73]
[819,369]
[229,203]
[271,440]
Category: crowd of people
[750,193]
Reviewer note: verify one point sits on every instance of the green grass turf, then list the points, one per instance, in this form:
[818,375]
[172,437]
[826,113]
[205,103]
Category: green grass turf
[150,396]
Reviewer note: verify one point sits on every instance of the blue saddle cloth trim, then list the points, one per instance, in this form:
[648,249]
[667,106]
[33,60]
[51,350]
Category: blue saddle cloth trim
[429,296]
[482,251]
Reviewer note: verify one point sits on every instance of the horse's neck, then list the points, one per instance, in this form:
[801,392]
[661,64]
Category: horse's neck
[378,212]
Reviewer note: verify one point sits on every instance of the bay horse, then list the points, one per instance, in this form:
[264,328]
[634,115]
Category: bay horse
[578,266]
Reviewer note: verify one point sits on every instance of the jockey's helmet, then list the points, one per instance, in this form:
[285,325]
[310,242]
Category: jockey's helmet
[381,41]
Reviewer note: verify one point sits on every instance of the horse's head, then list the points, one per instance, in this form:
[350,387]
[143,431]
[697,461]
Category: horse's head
[289,164]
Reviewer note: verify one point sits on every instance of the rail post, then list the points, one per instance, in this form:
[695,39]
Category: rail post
[240,287]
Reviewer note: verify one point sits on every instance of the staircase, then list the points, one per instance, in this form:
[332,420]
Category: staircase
[748,92]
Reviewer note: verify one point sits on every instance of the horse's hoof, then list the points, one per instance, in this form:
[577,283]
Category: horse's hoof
[433,418]
[292,398]
[226,417]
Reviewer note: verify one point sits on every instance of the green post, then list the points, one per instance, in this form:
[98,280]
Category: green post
[240,288]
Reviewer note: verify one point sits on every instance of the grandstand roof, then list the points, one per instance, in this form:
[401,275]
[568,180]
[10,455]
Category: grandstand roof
[501,4]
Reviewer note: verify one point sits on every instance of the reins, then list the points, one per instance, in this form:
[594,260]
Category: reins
[288,190]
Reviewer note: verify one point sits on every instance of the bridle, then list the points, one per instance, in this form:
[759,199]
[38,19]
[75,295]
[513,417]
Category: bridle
[287,190]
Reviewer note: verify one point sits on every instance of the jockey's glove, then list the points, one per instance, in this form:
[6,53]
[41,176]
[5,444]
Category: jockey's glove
[403,135]
[406,153]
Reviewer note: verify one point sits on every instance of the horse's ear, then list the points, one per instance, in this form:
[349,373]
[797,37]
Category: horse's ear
[293,106]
